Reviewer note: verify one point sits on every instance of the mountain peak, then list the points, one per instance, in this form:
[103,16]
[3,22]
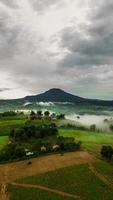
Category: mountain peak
[55,90]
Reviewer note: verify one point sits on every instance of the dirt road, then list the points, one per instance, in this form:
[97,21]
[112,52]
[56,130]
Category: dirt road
[13,171]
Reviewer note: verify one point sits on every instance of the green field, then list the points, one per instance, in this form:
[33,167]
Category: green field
[3,141]
[19,193]
[105,168]
[92,141]
[78,180]
[8,124]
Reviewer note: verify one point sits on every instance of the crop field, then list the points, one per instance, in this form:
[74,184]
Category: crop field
[20,193]
[3,141]
[78,180]
[86,179]
[92,141]
[105,168]
[7,125]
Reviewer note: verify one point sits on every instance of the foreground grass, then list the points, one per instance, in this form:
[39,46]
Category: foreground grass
[19,193]
[92,141]
[105,168]
[7,125]
[3,141]
[77,180]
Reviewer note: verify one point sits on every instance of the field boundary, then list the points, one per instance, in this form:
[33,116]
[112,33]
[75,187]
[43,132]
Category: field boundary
[61,193]
[100,176]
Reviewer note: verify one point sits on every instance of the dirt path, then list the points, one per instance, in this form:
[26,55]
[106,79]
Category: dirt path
[12,171]
[44,164]
[4,195]
[65,194]
[100,176]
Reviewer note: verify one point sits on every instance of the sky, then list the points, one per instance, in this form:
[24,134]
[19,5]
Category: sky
[64,44]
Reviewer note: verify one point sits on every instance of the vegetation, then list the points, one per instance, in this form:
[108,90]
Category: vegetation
[77,180]
[36,137]
[3,141]
[19,193]
[105,168]
[92,141]
[107,152]
[44,133]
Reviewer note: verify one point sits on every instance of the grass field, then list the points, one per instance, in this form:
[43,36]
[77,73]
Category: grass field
[3,141]
[92,141]
[7,125]
[105,168]
[19,193]
[77,180]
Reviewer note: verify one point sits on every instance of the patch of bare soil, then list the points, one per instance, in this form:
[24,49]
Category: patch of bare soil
[13,171]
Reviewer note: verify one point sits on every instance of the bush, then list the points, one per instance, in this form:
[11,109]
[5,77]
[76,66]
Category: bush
[12,151]
[31,131]
[68,143]
[111,127]
[93,127]
[107,152]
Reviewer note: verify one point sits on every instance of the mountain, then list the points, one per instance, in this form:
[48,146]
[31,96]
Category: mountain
[58,95]
[55,95]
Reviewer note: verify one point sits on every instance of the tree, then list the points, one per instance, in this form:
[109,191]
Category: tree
[47,113]
[107,152]
[32,115]
[39,114]
[93,127]
[61,116]
[111,127]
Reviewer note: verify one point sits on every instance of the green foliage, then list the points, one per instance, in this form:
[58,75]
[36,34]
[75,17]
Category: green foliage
[61,116]
[92,141]
[8,114]
[111,127]
[29,131]
[3,141]
[47,113]
[93,127]
[107,152]
[12,151]
[6,125]
[68,143]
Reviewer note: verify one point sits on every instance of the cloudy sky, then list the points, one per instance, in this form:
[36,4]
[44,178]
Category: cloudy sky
[64,44]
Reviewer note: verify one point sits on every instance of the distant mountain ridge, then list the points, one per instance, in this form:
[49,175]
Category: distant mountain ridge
[57,95]
[54,95]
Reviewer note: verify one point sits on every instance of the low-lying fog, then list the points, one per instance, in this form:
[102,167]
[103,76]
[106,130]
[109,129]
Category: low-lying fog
[102,122]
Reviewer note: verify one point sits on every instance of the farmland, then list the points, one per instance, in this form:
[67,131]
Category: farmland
[77,180]
[92,141]
[81,174]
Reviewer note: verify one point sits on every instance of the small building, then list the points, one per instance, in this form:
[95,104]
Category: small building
[28,152]
[43,149]
[55,147]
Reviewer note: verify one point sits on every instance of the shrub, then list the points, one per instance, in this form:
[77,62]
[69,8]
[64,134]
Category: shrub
[107,152]
[111,127]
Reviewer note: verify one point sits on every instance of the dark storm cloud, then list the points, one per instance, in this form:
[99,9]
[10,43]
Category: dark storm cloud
[4,89]
[90,43]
